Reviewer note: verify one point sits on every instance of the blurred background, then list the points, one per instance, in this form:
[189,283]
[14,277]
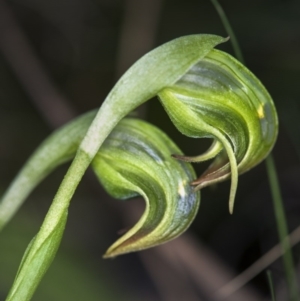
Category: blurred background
[59,59]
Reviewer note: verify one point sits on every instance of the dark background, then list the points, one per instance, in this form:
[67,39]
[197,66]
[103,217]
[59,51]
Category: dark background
[60,58]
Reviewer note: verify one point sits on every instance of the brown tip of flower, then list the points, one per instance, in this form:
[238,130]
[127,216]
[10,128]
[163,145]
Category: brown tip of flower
[182,158]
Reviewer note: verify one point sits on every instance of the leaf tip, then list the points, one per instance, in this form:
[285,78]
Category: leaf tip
[226,39]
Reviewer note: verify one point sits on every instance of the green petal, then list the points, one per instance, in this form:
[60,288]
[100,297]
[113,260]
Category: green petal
[136,160]
[221,99]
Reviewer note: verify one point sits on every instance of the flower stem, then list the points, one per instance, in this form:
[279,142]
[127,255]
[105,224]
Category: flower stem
[282,229]
[42,250]
[271,285]
[235,44]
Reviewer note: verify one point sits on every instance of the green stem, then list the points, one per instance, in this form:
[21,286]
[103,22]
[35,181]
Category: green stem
[235,45]
[271,285]
[42,250]
[282,229]
[65,192]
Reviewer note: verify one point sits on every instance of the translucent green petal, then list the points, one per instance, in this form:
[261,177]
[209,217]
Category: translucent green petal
[136,160]
[221,99]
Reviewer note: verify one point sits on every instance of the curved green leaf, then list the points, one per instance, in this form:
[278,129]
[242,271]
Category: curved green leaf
[154,71]
[60,147]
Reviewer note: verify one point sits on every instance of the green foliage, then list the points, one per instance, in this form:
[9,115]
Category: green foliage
[57,149]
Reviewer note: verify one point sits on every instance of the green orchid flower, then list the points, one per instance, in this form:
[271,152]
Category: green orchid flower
[221,99]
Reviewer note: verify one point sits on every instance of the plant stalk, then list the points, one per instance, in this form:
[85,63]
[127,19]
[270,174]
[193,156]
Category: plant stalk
[282,229]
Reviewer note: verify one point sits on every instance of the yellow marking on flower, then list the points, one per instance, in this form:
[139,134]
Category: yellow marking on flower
[181,188]
[260,111]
